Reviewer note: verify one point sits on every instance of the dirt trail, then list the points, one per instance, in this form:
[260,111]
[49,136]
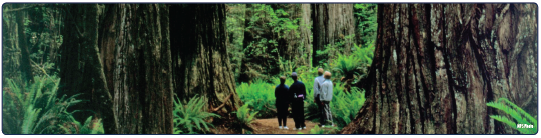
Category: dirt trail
[270,126]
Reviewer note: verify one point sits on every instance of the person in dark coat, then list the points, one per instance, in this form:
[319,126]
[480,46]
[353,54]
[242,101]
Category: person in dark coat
[299,93]
[281,92]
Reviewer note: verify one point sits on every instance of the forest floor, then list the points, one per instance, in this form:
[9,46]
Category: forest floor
[270,126]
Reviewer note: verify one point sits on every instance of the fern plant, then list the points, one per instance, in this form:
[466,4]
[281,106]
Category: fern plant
[189,118]
[90,126]
[37,110]
[347,65]
[245,117]
[517,113]
[345,105]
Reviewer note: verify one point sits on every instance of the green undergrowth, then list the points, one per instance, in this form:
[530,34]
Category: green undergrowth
[35,109]
[190,118]
[245,118]
[261,95]
[344,106]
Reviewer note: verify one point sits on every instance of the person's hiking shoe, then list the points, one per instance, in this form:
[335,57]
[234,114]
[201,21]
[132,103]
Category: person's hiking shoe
[279,127]
[304,127]
[322,125]
[286,128]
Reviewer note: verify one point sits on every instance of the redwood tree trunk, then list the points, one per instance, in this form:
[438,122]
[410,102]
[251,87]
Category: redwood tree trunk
[81,69]
[141,76]
[122,49]
[436,66]
[331,22]
[200,60]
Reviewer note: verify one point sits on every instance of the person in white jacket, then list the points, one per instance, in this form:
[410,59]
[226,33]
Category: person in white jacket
[317,88]
[326,93]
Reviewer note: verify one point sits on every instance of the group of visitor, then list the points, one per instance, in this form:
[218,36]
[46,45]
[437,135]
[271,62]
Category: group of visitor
[295,95]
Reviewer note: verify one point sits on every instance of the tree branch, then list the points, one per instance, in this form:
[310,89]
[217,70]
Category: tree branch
[223,104]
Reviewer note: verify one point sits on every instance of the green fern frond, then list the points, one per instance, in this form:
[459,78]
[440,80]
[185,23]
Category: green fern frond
[29,119]
[42,112]
[528,116]
[516,113]
[189,118]
[66,130]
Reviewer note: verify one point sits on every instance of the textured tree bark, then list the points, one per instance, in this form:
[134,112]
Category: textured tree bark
[436,66]
[126,54]
[306,32]
[135,43]
[331,22]
[81,69]
[200,56]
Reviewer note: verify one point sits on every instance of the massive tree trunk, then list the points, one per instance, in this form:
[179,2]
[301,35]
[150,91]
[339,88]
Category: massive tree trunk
[436,66]
[199,55]
[306,33]
[81,68]
[331,23]
[121,65]
[141,69]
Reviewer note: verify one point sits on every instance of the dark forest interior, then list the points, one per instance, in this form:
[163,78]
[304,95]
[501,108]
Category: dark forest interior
[213,68]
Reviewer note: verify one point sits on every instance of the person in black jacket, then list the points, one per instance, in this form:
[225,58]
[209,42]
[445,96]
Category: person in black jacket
[282,102]
[299,95]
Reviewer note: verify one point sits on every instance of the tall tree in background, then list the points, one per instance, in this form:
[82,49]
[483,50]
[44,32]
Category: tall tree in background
[277,39]
[331,22]
[81,69]
[118,58]
[306,32]
[436,65]
[23,44]
[199,55]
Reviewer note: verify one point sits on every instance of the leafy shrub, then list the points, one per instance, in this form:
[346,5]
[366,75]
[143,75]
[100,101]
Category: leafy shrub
[245,117]
[37,110]
[262,96]
[518,114]
[190,117]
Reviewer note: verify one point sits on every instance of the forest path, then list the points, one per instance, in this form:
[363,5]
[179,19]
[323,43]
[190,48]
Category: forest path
[270,126]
